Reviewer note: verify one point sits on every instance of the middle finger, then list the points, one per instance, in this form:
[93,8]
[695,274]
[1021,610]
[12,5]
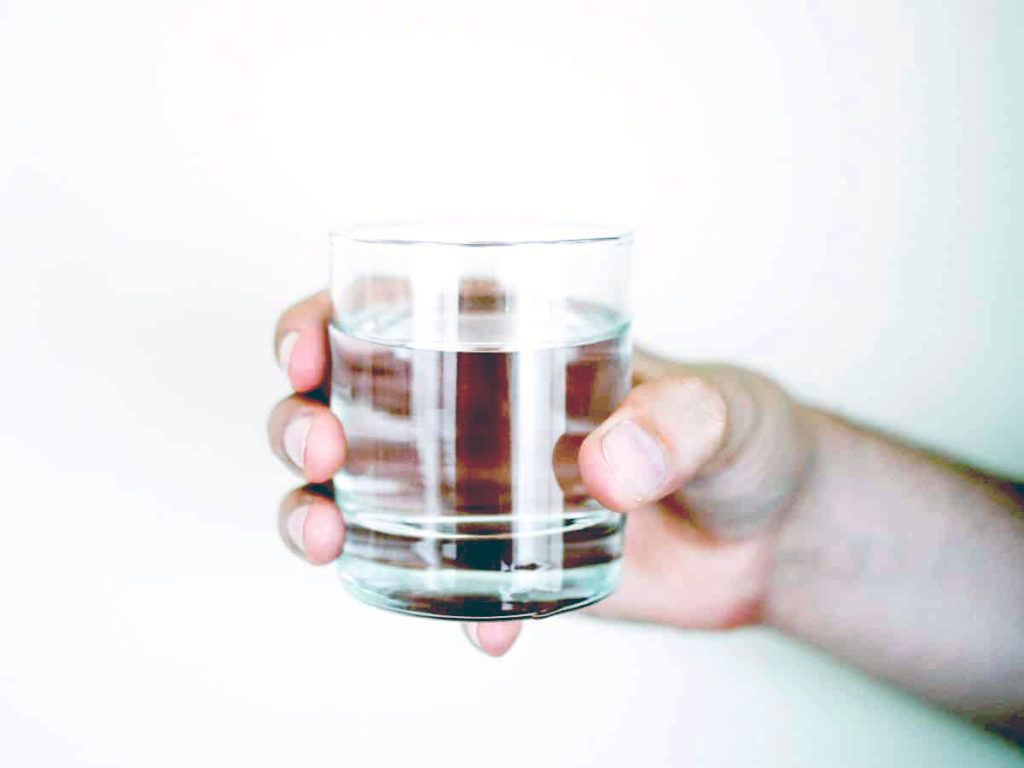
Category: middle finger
[307,437]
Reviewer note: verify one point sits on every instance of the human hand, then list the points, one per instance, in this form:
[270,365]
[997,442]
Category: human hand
[704,459]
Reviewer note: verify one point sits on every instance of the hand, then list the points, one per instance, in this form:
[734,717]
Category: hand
[704,459]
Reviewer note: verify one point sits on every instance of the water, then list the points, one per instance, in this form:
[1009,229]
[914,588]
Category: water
[460,490]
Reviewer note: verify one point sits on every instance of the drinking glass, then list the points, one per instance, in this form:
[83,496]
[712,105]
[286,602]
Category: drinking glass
[468,362]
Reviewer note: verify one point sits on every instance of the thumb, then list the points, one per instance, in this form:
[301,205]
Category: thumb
[726,444]
[655,443]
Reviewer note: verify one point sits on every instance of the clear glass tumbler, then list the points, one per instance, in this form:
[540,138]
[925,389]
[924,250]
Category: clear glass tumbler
[469,361]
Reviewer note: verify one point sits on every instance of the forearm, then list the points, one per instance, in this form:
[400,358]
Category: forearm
[908,567]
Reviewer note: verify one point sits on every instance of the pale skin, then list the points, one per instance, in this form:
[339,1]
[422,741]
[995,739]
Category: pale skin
[747,507]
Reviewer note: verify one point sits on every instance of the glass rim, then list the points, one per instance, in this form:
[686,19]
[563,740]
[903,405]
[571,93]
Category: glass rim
[561,233]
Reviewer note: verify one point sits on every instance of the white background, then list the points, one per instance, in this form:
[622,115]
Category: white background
[821,190]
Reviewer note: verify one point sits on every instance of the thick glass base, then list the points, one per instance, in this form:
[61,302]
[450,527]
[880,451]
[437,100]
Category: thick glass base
[478,595]
[481,567]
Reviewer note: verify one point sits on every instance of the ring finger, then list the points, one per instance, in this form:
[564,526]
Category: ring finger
[311,525]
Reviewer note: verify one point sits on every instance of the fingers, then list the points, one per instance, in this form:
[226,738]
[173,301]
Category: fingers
[300,341]
[306,436]
[311,526]
[492,637]
[656,442]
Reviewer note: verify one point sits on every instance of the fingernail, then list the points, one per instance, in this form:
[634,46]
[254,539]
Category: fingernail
[470,631]
[284,351]
[636,459]
[295,435]
[296,525]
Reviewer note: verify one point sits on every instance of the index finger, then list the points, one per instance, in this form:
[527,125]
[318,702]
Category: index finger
[300,341]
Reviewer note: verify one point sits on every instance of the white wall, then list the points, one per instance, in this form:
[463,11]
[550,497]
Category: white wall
[830,186]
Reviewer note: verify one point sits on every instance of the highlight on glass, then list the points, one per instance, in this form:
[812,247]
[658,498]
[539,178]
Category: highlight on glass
[469,361]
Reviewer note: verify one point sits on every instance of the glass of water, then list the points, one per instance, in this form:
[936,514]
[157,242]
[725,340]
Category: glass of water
[468,362]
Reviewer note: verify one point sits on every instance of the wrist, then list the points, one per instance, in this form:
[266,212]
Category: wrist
[792,551]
